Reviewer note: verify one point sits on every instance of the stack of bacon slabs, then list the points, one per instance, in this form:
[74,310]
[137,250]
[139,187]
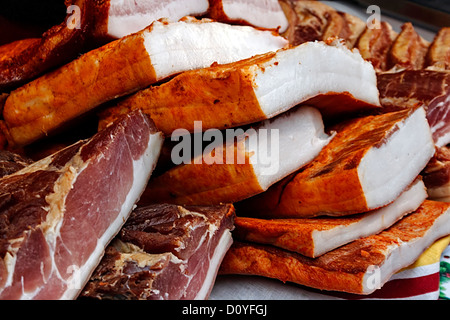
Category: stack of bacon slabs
[410,70]
[341,216]
[348,134]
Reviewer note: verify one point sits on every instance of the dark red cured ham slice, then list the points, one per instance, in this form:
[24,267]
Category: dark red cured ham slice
[164,252]
[406,89]
[438,115]
[11,162]
[57,215]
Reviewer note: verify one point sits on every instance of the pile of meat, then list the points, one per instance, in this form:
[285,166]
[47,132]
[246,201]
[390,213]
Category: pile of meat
[328,149]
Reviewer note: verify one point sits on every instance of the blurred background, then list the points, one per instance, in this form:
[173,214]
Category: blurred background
[21,19]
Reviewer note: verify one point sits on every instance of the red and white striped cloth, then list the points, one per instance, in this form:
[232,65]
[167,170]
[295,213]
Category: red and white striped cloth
[420,281]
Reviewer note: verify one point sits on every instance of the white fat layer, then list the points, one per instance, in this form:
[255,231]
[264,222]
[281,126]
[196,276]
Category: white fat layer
[310,69]
[126,17]
[284,144]
[386,171]
[142,169]
[404,254]
[259,13]
[182,46]
[219,252]
[371,223]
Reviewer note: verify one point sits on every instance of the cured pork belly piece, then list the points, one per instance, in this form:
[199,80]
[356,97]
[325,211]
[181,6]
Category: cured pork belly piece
[24,60]
[266,14]
[407,89]
[313,20]
[359,267]
[119,18]
[57,215]
[258,88]
[314,237]
[11,162]
[307,20]
[438,56]
[366,166]
[344,26]
[164,252]
[374,45]
[235,170]
[437,176]
[125,66]
[408,50]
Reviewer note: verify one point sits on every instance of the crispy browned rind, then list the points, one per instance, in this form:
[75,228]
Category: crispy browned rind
[408,50]
[330,184]
[375,43]
[438,56]
[291,234]
[99,31]
[220,96]
[43,105]
[344,26]
[24,60]
[203,183]
[343,269]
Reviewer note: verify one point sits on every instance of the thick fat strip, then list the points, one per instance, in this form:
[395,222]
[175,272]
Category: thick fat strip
[368,164]
[164,252]
[359,267]
[234,171]
[438,56]
[117,18]
[314,237]
[265,14]
[125,66]
[374,45]
[258,88]
[437,175]
[408,50]
[58,214]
